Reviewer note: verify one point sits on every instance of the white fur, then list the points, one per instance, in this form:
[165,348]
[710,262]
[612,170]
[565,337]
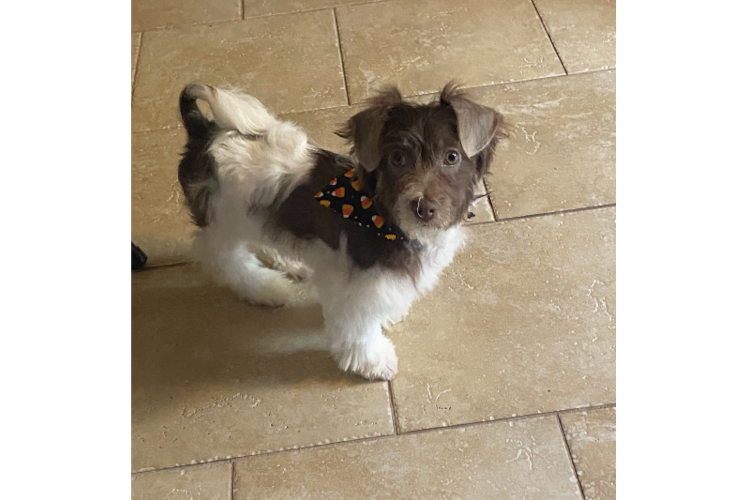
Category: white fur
[356,303]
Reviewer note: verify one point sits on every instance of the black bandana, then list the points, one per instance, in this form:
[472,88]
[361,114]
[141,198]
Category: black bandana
[344,195]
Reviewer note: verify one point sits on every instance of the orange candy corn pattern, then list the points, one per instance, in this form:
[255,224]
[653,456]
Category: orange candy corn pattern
[343,195]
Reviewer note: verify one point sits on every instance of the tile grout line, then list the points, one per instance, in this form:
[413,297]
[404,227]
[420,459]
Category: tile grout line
[437,92]
[393,408]
[170,27]
[548,34]
[135,69]
[339,43]
[164,266]
[381,437]
[243,17]
[285,114]
[467,88]
[568,454]
[510,419]
[490,202]
[597,70]
[231,480]
[557,212]
[303,11]
[546,214]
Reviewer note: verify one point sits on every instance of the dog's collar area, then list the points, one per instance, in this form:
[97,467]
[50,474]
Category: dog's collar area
[343,195]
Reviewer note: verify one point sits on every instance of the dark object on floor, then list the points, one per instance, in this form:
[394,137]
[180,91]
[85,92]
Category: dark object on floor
[139,257]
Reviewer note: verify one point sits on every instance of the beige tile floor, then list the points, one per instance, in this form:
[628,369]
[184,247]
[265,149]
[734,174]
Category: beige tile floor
[507,381]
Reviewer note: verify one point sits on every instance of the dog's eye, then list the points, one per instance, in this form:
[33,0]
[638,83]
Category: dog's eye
[397,159]
[452,157]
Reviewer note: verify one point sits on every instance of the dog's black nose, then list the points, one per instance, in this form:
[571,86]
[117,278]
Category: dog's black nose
[424,208]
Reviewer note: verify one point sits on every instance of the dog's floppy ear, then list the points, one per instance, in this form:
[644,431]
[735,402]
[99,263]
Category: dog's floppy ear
[477,125]
[364,129]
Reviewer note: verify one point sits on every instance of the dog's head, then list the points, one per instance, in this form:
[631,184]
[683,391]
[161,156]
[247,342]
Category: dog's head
[421,162]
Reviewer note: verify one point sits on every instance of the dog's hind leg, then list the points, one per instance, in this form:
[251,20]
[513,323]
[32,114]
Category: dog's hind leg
[293,268]
[231,263]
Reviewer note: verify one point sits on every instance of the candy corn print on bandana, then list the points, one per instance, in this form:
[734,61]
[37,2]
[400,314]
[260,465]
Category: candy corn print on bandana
[344,195]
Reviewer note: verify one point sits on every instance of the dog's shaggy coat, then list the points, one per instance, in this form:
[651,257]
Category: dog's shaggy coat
[250,180]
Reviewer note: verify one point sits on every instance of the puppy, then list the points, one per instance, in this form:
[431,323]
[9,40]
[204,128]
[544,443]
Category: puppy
[372,231]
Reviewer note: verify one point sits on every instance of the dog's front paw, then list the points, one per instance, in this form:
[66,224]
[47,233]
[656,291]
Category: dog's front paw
[375,360]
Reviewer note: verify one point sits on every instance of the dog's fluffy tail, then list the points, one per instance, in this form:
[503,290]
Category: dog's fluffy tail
[264,159]
[194,122]
[231,110]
